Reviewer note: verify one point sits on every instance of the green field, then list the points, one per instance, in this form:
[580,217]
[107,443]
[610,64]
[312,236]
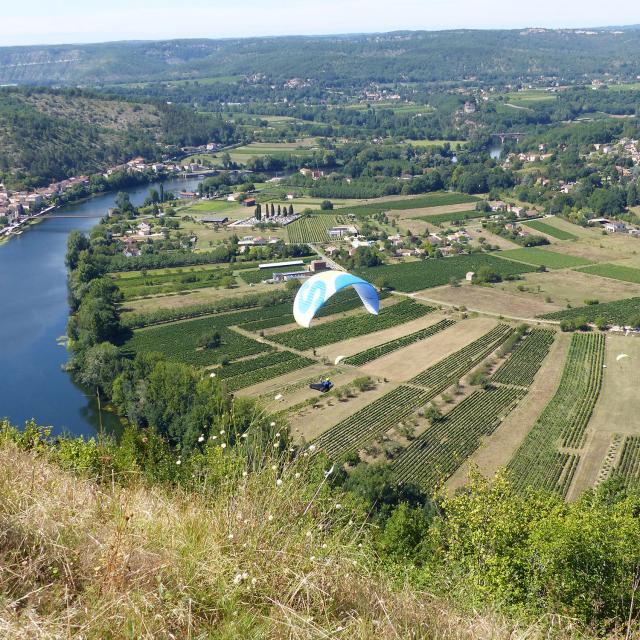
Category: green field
[441,218]
[614,271]
[211,206]
[414,276]
[550,230]
[540,257]
[621,312]
[436,199]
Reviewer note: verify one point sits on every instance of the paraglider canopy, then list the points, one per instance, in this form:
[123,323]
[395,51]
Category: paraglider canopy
[319,288]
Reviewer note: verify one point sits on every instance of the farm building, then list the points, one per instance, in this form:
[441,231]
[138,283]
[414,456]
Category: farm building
[215,219]
[291,275]
[277,265]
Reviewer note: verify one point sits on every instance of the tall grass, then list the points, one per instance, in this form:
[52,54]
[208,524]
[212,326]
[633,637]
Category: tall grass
[270,554]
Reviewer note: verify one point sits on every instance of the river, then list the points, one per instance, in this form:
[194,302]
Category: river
[33,318]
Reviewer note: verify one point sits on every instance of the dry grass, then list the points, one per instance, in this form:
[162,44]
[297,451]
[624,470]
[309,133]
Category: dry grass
[79,560]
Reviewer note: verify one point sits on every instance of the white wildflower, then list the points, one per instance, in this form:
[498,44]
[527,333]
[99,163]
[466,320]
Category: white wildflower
[338,506]
[278,482]
[274,467]
[223,445]
[312,447]
[244,474]
[201,438]
[269,517]
[254,581]
[230,536]
[297,475]
[273,424]
[178,462]
[221,432]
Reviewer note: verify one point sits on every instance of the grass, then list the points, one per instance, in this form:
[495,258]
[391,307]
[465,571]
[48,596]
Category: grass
[441,218]
[550,230]
[238,558]
[540,257]
[614,271]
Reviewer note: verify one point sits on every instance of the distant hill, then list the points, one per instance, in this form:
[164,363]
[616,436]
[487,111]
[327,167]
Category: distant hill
[488,56]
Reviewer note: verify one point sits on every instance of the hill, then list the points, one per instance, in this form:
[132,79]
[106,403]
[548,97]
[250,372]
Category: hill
[421,56]
[48,135]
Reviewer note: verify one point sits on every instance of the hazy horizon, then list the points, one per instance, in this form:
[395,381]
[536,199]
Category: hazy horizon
[89,22]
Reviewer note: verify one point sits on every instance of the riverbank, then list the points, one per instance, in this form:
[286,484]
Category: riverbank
[33,286]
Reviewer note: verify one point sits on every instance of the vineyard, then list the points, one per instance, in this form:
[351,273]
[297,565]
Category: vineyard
[370,422]
[351,327]
[267,372]
[448,442]
[341,302]
[615,272]
[414,276]
[450,369]
[313,228]
[618,312]
[629,467]
[550,230]
[393,345]
[526,358]
[461,216]
[249,365]
[540,257]
[180,342]
[436,199]
[538,462]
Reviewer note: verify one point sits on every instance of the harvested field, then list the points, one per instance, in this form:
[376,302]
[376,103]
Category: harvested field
[491,299]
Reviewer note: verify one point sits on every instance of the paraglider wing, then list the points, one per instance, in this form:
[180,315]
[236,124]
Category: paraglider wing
[319,288]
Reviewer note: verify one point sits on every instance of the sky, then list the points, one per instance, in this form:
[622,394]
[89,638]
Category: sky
[67,21]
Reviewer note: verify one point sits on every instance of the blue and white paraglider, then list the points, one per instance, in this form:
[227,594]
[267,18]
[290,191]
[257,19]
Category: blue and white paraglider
[319,288]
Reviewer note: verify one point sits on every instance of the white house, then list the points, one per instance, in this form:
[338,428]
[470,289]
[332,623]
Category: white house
[615,227]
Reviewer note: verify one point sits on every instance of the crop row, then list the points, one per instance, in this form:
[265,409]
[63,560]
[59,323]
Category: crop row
[550,230]
[449,370]
[364,426]
[526,358]
[346,300]
[564,420]
[180,342]
[267,373]
[620,312]
[352,326]
[435,199]
[246,366]
[434,272]
[371,421]
[629,467]
[380,350]
[311,228]
[448,442]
